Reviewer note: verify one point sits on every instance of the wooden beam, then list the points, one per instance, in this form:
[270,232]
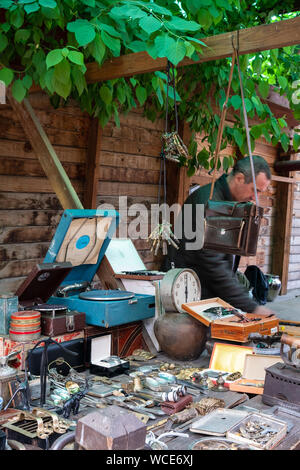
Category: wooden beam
[46,154]
[285,179]
[258,38]
[92,165]
[287,165]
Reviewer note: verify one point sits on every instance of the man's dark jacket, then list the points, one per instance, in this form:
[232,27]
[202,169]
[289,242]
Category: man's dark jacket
[214,269]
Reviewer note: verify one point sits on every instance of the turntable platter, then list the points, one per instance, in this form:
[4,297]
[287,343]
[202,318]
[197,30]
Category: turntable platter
[106,295]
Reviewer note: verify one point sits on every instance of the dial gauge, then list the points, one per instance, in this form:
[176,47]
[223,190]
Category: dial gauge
[179,286]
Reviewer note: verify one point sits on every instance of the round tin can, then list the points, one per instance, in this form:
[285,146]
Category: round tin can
[25,335]
[25,325]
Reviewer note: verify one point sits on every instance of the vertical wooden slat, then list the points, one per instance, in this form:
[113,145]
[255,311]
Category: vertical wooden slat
[282,231]
[92,164]
[46,154]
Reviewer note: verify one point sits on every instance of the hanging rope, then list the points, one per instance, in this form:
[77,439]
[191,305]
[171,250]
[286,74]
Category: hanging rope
[162,235]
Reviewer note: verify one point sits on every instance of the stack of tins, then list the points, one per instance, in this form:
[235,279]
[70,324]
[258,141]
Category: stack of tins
[25,325]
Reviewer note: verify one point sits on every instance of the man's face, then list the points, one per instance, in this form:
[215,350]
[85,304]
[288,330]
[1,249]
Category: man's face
[244,192]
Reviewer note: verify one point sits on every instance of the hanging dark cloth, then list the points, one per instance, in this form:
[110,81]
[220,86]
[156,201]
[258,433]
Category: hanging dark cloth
[259,283]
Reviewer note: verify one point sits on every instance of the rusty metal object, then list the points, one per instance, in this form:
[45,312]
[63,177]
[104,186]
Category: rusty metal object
[112,428]
[180,336]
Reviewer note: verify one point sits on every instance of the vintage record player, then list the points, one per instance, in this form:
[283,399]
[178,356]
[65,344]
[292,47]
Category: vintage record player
[81,239]
[282,382]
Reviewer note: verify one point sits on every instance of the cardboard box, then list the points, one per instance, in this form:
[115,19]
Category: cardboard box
[227,358]
[7,346]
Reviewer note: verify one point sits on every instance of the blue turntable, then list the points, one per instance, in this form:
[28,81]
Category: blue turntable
[81,239]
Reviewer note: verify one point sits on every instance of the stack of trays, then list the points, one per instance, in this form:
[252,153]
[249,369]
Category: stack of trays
[25,325]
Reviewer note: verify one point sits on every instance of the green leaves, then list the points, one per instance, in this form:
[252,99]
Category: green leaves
[54,57]
[296,142]
[18,90]
[97,48]
[113,44]
[6,76]
[282,82]
[236,101]
[141,94]
[84,31]
[167,47]
[150,24]
[105,94]
[264,89]
[3,42]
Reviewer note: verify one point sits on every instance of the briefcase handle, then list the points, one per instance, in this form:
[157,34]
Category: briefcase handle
[235,57]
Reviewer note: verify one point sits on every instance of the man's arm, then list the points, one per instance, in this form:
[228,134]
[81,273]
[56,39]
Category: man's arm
[214,270]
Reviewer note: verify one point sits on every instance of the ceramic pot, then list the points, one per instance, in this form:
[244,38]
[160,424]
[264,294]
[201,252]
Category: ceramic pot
[274,283]
[180,336]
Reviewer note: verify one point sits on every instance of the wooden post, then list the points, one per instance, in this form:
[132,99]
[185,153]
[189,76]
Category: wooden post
[46,154]
[92,164]
[282,231]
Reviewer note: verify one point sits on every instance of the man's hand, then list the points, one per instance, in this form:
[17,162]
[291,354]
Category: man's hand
[263,311]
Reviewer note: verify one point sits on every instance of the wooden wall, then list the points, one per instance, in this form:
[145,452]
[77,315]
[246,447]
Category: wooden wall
[30,212]
[129,167]
[294,264]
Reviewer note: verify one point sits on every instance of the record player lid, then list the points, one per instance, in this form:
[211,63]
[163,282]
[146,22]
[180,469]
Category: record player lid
[42,282]
[81,238]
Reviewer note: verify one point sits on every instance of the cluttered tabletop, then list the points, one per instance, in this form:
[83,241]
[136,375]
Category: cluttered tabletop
[171,405]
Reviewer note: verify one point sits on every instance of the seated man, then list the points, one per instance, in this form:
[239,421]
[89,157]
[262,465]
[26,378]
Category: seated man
[215,270]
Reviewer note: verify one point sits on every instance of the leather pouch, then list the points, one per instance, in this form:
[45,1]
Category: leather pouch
[170,407]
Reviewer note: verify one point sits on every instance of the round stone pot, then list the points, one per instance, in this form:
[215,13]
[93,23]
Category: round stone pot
[180,336]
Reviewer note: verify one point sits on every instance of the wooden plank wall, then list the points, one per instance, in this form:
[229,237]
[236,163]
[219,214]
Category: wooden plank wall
[30,212]
[129,167]
[294,264]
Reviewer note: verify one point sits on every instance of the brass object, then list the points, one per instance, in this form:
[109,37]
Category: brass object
[174,147]
[72,387]
[206,405]
[39,423]
[187,373]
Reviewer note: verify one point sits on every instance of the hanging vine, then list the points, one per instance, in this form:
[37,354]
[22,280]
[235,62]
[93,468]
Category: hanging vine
[50,42]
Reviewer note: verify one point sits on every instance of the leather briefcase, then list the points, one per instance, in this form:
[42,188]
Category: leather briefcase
[232,227]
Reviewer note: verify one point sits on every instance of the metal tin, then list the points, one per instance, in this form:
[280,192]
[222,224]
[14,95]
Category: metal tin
[24,336]
[25,325]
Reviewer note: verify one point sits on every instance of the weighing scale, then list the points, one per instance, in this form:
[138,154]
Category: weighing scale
[82,238]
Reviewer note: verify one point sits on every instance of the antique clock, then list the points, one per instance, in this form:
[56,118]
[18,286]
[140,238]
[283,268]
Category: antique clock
[178,286]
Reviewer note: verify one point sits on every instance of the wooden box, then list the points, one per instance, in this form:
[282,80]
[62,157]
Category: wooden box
[125,338]
[230,327]
[234,330]
[254,373]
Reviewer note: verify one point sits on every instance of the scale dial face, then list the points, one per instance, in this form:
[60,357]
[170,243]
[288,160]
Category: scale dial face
[179,286]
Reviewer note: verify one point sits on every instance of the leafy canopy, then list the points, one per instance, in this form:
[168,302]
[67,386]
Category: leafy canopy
[49,43]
